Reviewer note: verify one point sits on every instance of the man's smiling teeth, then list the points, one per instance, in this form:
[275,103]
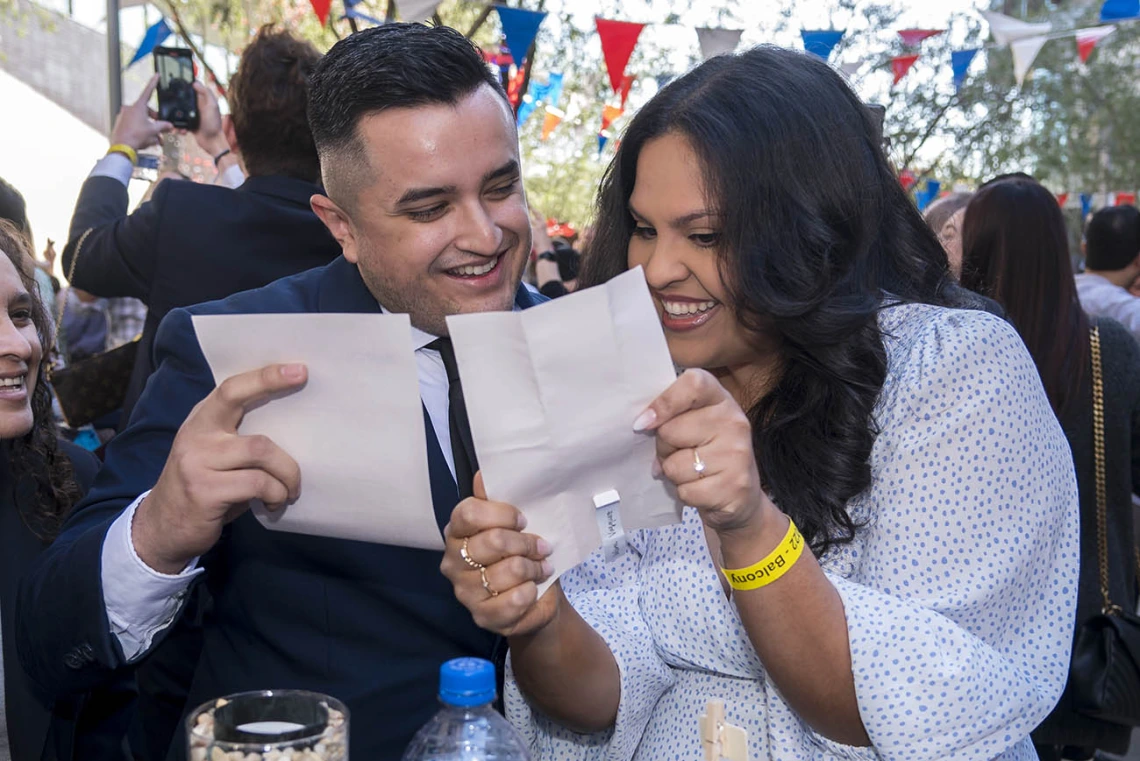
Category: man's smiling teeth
[12,382]
[681,308]
[471,271]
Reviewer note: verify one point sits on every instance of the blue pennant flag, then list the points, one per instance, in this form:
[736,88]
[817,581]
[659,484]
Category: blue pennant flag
[821,42]
[1086,205]
[520,27]
[351,12]
[933,188]
[664,79]
[603,138]
[960,61]
[548,93]
[1114,10]
[154,37]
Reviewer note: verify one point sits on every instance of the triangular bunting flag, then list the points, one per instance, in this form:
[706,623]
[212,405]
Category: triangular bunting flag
[619,38]
[321,8]
[912,37]
[1086,205]
[154,37]
[519,29]
[1005,29]
[1024,53]
[1088,38]
[350,12]
[716,42]
[821,42]
[900,65]
[664,79]
[960,61]
[851,69]
[552,120]
[626,84]
[603,138]
[1061,198]
[1114,10]
[609,113]
[418,10]
[907,179]
[1125,199]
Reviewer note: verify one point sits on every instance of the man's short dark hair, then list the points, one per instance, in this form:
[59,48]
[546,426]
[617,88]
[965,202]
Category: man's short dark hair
[1112,240]
[269,101]
[389,66]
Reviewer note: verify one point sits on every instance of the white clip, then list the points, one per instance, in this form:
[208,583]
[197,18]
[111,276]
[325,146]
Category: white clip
[606,511]
[719,739]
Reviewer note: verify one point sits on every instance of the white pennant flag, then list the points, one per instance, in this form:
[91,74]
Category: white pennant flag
[416,10]
[1024,53]
[850,69]
[716,42]
[1006,30]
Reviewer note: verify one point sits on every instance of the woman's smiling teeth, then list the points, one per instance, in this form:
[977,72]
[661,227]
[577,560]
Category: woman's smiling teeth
[682,308]
[16,382]
[475,271]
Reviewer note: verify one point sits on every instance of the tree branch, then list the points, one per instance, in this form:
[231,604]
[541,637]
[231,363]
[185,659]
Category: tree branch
[169,5]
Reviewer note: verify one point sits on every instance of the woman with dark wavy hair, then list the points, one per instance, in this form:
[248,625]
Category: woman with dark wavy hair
[832,402]
[41,479]
[1016,251]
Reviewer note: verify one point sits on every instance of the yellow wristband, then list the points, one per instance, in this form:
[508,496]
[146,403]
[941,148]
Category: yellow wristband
[124,150]
[772,567]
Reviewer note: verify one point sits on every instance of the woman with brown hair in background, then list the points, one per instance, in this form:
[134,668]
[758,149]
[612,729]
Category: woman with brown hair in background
[1015,251]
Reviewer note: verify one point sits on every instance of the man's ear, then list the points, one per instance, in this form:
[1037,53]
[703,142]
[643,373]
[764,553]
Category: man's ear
[338,224]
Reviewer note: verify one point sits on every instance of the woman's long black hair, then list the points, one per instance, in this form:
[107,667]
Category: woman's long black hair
[36,456]
[815,231]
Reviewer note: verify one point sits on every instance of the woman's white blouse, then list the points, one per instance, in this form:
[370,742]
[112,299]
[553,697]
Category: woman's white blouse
[959,588]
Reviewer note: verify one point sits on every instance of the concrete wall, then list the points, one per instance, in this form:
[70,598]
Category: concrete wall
[63,60]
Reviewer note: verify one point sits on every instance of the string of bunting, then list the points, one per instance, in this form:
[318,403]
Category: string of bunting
[619,39]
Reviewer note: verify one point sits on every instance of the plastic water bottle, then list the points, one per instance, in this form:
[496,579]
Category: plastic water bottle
[467,728]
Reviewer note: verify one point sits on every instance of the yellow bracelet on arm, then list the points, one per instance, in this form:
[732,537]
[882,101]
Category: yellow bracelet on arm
[776,564]
[125,150]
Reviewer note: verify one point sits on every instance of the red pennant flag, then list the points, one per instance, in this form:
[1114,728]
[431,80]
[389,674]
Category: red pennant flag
[907,179]
[321,7]
[1061,198]
[626,83]
[1125,199]
[619,38]
[1088,38]
[912,37]
[901,65]
[609,113]
[514,86]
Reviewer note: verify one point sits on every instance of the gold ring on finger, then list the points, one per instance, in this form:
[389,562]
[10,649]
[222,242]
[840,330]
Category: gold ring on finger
[698,464]
[467,558]
[483,575]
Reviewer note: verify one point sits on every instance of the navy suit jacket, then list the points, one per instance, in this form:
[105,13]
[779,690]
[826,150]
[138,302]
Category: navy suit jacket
[369,624]
[192,243]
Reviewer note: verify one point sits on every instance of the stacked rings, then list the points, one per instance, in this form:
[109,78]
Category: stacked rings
[476,565]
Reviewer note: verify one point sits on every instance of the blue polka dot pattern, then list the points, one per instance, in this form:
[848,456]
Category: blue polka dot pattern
[959,589]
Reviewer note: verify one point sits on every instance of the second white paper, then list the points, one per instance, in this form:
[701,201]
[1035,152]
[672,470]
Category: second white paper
[552,393]
[356,429]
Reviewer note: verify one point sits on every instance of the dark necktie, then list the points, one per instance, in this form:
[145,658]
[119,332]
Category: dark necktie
[462,445]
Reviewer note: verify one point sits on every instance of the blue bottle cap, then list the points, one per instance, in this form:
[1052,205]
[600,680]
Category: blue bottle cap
[467,682]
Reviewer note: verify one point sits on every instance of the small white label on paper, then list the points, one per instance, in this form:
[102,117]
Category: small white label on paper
[614,541]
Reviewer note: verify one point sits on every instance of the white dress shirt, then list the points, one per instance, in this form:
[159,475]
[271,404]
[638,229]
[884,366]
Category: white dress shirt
[1101,297]
[141,602]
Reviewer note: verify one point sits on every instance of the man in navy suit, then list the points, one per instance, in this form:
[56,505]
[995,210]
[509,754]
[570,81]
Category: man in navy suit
[420,161]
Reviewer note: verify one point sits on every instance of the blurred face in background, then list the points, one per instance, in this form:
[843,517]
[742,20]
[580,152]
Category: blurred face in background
[951,238]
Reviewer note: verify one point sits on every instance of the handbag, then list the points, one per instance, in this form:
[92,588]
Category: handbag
[95,386]
[1105,672]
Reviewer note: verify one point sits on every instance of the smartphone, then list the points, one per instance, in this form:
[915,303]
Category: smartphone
[177,101]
